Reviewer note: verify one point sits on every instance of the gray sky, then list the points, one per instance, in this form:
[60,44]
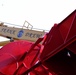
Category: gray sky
[40,13]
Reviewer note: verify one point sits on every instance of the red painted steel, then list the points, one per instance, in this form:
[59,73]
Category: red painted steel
[17,57]
[10,56]
[59,53]
[56,55]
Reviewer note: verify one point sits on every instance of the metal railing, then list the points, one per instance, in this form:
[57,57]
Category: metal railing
[26,25]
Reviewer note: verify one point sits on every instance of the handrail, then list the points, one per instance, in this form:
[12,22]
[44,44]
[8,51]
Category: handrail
[29,26]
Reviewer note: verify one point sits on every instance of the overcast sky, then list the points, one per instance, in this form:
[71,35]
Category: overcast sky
[40,13]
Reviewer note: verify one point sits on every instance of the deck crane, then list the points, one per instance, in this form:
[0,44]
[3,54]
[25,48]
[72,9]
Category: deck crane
[53,54]
[26,32]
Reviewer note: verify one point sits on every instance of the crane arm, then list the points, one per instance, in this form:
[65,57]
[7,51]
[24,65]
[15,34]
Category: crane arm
[20,33]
